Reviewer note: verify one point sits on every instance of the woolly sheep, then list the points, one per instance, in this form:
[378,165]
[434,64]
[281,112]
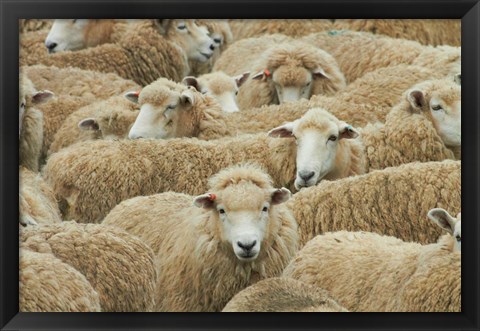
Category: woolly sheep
[46,284]
[141,54]
[291,27]
[393,201]
[280,72]
[108,119]
[30,123]
[374,51]
[427,32]
[37,201]
[235,235]
[89,85]
[119,266]
[282,295]
[81,173]
[368,272]
[220,86]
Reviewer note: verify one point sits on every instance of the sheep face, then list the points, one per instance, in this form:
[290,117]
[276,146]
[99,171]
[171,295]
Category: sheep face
[67,35]
[242,215]
[441,103]
[194,40]
[219,86]
[450,224]
[318,136]
[26,101]
[163,112]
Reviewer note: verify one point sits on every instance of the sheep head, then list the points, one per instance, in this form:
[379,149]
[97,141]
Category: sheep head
[440,101]
[299,70]
[167,110]
[242,203]
[192,38]
[448,223]
[219,86]
[320,137]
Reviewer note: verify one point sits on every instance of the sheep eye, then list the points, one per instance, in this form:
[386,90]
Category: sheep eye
[459,238]
[221,211]
[265,209]
[332,138]
[204,92]
[182,27]
[169,122]
[22,105]
[308,84]
[170,107]
[437,107]
[236,92]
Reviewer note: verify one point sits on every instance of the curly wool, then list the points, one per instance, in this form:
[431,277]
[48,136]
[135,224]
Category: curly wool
[46,284]
[198,270]
[282,295]
[141,54]
[119,266]
[375,51]
[37,201]
[368,272]
[393,201]
[426,31]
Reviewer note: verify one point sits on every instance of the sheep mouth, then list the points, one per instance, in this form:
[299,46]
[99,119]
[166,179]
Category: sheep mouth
[247,257]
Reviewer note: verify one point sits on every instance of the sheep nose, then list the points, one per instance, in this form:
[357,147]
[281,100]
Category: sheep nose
[134,136]
[212,47]
[50,45]
[306,175]
[247,247]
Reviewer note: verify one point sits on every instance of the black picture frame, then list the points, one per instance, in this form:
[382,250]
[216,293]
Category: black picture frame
[12,10]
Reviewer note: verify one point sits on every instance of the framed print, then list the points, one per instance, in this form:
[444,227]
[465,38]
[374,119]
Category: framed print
[299,160]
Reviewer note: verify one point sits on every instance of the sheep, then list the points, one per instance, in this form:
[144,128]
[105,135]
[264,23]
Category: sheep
[141,54]
[369,272]
[381,201]
[37,201]
[88,85]
[291,27]
[30,123]
[46,284]
[236,234]
[220,86]
[427,32]
[280,72]
[374,52]
[81,173]
[282,295]
[108,119]
[27,25]
[118,265]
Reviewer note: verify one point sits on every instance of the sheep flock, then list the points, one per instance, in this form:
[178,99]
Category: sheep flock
[201,165]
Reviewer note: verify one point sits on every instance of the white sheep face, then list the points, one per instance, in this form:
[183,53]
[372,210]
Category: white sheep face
[21,111]
[448,223]
[194,40]
[317,142]
[244,221]
[155,122]
[66,35]
[447,117]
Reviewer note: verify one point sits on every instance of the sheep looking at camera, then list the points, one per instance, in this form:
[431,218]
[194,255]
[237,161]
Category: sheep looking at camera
[368,272]
[237,233]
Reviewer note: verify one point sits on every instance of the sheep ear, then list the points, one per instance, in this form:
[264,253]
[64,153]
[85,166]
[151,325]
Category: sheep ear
[132,96]
[240,79]
[206,201]
[284,131]
[319,73]
[416,99]
[346,131]
[443,219]
[263,75]
[191,81]
[88,124]
[458,79]
[42,96]
[163,25]
[187,98]
[280,195]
